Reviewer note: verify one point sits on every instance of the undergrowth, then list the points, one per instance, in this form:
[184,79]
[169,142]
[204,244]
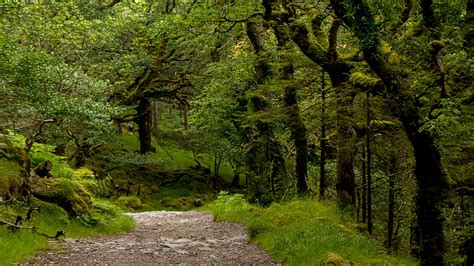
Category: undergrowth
[303,232]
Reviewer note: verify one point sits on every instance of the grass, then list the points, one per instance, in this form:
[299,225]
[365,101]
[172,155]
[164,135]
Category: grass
[170,157]
[303,232]
[17,247]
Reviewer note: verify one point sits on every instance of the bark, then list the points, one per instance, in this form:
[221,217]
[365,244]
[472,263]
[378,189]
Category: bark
[298,134]
[155,115]
[265,153]
[468,29]
[369,169]
[431,185]
[255,33]
[428,170]
[404,16]
[391,206]
[364,186]
[323,141]
[236,179]
[339,72]
[345,135]
[185,116]
[144,129]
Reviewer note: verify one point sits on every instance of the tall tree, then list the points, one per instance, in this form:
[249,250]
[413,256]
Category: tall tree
[323,52]
[430,177]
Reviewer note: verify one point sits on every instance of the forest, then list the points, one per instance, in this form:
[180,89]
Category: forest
[307,121]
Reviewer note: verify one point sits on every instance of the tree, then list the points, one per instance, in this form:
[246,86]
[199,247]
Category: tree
[430,176]
[324,53]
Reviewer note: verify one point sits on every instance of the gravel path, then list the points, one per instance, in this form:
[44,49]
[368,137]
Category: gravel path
[163,237]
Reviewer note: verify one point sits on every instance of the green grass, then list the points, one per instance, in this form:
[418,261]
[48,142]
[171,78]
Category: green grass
[303,232]
[105,218]
[170,157]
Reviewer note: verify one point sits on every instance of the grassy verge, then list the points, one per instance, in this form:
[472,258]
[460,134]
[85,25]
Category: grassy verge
[19,246]
[303,232]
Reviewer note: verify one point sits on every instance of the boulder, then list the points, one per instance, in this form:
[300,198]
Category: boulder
[69,195]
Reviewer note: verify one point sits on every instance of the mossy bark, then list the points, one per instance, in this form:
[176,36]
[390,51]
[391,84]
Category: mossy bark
[339,71]
[431,184]
[143,121]
[298,135]
[430,178]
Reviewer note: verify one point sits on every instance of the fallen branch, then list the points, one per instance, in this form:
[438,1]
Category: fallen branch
[34,229]
[16,226]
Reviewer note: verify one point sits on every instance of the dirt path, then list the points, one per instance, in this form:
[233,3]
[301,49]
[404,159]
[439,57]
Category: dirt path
[163,238]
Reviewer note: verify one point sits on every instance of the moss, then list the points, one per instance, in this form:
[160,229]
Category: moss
[130,202]
[366,81]
[435,46]
[394,59]
[182,203]
[70,195]
[9,178]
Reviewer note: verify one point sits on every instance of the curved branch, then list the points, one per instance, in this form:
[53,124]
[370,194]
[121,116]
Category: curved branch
[404,17]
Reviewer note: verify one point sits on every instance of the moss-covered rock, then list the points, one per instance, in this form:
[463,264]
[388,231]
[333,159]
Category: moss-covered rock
[9,178]
[130,202]
[181,203]
[70,195]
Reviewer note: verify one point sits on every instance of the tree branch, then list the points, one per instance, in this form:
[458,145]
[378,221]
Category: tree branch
[404,17]
[332,40]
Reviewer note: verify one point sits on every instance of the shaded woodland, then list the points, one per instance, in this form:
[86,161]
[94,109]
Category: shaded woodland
[364,103]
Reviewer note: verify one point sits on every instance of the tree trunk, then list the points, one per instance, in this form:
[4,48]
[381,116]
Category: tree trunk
[431,185]
[155,114]
[364,186]
[369,169]
[185,116]
[236,179]
[323,141]
[345,181]
[468,29]
[391,205]
[298,134]
[144,129]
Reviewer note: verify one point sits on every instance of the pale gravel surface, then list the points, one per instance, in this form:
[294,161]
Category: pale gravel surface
[163,237]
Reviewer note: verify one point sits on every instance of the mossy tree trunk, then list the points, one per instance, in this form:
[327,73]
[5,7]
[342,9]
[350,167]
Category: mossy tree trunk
[298,134]
[431,181]
[345,135]
[368,150]
[323,141]
[323,51]
[431,186]
[265,154]
[143,120]
[391,205]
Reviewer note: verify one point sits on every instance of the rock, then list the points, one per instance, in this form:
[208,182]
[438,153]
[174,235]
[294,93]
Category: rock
[69,195]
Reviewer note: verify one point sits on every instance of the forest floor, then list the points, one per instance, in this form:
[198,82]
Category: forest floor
[162,237]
